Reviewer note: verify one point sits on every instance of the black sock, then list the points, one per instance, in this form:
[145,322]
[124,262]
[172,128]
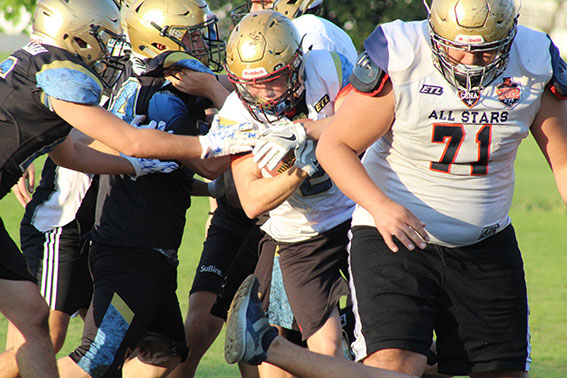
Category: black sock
[268,337]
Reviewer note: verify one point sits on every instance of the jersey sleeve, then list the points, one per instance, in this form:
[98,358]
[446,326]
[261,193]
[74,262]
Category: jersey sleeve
[68,81]
[558,82]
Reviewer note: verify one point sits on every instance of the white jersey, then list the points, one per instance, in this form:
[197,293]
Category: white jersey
[452,164]
[317,205]
[62,205]
[321,34]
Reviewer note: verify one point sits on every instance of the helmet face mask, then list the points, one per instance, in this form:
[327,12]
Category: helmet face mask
[91,30]
[273,108]
[155,26]
[485,27]
[264,51]
[243,9]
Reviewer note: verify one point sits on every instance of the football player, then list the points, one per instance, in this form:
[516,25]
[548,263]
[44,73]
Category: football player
[139,223]
[51,85]
[232,236]
[308,216]
[451,99]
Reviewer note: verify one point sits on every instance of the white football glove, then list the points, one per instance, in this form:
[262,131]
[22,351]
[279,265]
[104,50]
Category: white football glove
[144,167]
[227,140]
[305,158]
[138,66]
[151,125]
[276,142]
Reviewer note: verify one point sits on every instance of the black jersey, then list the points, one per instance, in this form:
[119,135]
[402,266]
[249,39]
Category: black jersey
[150,211]
[28,127]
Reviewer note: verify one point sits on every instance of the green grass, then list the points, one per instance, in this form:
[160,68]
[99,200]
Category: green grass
[540,220]
[212,364]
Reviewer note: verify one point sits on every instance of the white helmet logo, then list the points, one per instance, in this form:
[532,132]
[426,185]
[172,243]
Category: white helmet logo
[472,39]
[250,73]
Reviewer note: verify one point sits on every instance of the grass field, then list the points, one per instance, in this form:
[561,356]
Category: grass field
[540,220]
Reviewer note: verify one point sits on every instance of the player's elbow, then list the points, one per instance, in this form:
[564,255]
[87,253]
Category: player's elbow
[253,212]
[322,150]
[252,208]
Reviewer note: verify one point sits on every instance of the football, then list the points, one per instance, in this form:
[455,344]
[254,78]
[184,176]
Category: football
[284,164]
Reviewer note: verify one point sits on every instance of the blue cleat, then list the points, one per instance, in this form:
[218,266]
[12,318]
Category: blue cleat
[246,326]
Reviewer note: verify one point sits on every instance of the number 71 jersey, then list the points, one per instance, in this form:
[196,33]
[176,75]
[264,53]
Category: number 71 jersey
[449,155]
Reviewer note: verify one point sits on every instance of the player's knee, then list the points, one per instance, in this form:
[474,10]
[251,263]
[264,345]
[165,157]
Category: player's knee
[35,317]
[57,339]
[203,329]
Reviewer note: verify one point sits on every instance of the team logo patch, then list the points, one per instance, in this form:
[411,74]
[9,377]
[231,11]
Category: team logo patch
[7,66]
[508,92]
[490,230]
[431,89]
[322,102]
[469,98]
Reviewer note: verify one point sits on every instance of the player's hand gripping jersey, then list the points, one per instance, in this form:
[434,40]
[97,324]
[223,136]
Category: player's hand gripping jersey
[317,205]
[452,150]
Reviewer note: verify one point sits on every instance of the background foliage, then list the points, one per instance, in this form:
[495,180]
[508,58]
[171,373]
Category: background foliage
[358,18]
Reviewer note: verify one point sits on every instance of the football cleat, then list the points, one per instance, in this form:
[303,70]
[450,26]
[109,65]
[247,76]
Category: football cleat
[247,326]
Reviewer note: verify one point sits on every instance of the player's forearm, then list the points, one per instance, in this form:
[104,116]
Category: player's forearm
[561,182]
[79,157]
[208,168]
[217,94]
[265,194]
[103,126]
[346,170]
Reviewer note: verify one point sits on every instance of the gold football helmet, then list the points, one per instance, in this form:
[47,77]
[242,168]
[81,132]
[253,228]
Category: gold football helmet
[125,6]
[475,26]
[296,8]
[155,26]
[265,46]
[83,27]
[86,28]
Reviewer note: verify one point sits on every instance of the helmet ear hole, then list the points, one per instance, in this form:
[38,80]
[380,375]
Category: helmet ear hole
[80,42]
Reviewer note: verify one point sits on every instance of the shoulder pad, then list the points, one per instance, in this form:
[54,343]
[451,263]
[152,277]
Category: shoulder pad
[69,81]
[558,82]
[367,77]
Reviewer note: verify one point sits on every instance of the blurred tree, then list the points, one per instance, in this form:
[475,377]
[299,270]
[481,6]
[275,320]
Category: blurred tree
[14,10]
[358,18]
